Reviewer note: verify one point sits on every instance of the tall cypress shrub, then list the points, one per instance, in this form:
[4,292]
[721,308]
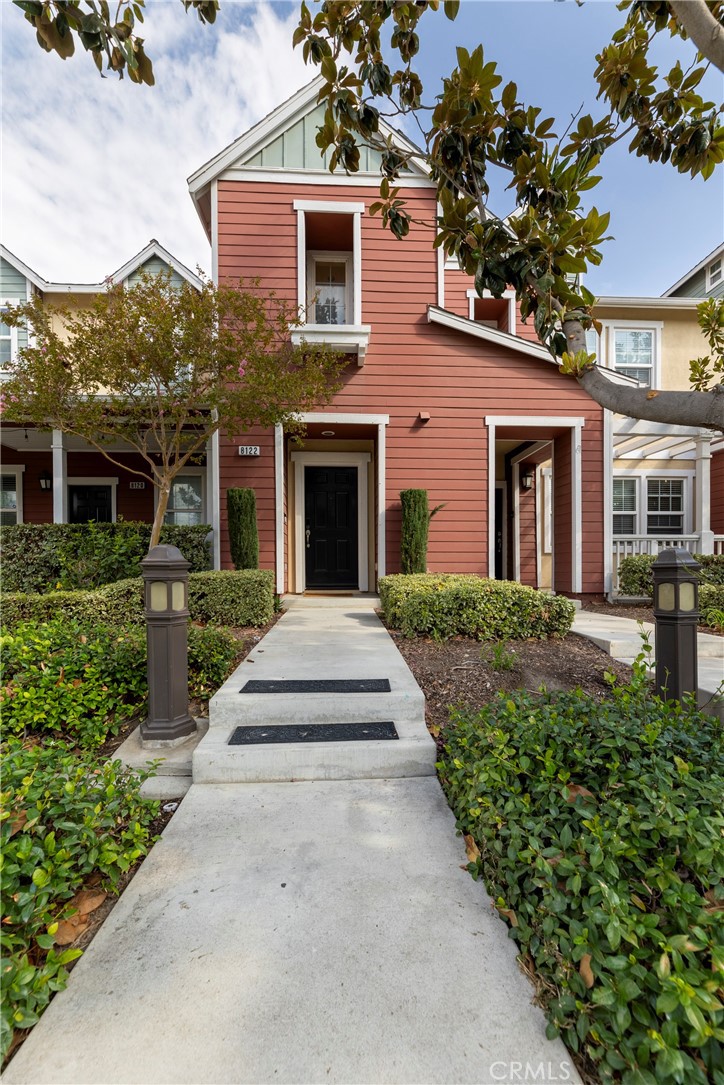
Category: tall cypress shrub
[243,534]
[415,526]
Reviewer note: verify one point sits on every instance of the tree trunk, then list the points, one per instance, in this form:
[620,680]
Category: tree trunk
[702,27]
[700,409]
[163,494]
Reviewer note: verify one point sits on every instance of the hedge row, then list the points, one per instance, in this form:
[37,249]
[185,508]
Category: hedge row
[223,598]
[600,835]
[635,578]
[39,557]
[80,681]
[447,605]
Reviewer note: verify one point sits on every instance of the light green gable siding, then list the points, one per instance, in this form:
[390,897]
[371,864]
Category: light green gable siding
[296,149]
[694,287]
[153,267]
[13,283]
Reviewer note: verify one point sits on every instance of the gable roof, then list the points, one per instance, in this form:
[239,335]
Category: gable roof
[717,252]
[152,249]
[240,153]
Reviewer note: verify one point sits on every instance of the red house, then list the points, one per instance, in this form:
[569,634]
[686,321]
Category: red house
[444,391]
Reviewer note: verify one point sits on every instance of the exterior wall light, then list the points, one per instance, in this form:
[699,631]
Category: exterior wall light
[46,480]
[676,614]
[526,480]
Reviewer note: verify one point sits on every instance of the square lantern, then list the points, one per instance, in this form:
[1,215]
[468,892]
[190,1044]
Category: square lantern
[676,614]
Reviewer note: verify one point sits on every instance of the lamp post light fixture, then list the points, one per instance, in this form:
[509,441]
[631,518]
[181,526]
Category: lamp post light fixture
[165,576]
[46,480]
[676,616]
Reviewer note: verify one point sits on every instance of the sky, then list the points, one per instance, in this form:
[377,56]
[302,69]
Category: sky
[92,169]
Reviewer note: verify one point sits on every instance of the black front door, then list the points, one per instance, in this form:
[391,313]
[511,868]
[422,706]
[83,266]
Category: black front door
[89,503]
[330,523]
[498,533]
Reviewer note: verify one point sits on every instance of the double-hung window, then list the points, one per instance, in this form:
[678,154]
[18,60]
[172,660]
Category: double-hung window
[625,506]
[8,341]
[329,279]
[714,273]
[186,500]
[634,353]
[11,496]
[665,506]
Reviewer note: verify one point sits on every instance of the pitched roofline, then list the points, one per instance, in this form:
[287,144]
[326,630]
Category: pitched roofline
[298,105]
[718,251]
[435,315]
[647,303]
[23,268]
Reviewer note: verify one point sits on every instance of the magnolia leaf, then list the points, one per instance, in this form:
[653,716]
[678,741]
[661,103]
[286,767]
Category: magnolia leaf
[471,848]
[584,969]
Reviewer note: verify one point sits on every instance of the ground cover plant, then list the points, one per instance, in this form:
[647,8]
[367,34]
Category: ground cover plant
[443,605]
[598,829]
[71,828]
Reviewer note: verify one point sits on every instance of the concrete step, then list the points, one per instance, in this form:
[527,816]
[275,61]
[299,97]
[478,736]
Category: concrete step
[413,754]
[231,708]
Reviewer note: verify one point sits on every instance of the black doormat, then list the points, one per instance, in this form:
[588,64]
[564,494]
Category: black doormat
[321,685]
[314,732]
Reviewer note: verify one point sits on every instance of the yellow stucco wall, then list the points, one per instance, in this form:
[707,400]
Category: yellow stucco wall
[681,338]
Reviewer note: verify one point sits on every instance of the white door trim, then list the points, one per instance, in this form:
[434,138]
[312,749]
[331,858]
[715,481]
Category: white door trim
[361,461]
[91,480]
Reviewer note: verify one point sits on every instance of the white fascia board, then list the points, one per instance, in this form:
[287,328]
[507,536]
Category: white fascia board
[317,177]
[490,335]
[23,268]
[718,251]
[155,249]
[345,207]
[645,303]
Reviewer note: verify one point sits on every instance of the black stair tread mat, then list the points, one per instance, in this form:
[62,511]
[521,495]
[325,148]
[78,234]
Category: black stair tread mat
[314,732]
[317,685]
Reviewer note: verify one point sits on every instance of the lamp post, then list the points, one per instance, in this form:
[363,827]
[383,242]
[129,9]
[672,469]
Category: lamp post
[165,575]
[676,614]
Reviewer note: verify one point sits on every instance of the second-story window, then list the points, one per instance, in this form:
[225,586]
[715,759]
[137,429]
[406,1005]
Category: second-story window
[634,353]
[8,342]
[714,274]
[330,288]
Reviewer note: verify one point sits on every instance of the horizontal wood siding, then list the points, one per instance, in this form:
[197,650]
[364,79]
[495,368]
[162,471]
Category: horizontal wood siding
[410,366]
[256,473]
[528,540]
[37,503]
[130,504]
[562,514]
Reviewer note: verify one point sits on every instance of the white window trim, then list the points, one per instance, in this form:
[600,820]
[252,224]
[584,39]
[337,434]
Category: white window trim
[607,341]
[711,283]
[17,470]
[330,207]
[360,460]
[201,472]
[508,295]
[642,478]
[325,257]
[92,480]
[10,303]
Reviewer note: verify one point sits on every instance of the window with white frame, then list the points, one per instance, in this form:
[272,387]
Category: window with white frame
[634,352]
[714,274]
[625,506]
[665,506]
[8,340]
[11,496]
[329,268]
[186,500]
[329,286]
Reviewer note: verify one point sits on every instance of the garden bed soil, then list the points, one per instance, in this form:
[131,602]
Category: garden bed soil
[639,612]
[471,672]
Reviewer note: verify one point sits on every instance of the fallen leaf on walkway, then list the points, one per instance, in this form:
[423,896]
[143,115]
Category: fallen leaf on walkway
[69,929]
[471,848]
[585,970]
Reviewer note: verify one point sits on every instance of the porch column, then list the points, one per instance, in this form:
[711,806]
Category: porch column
[702,482]
[60,478]
[214,497]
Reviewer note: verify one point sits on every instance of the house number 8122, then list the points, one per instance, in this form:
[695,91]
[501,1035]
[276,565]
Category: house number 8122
[248,450]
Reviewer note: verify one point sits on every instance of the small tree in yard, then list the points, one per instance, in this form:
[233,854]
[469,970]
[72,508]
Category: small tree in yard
[243,533]
[160,368]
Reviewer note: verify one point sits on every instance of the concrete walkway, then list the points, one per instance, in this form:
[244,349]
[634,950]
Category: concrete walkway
[621,638]
[316,931]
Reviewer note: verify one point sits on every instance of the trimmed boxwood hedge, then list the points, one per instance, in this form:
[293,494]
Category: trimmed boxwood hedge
[634,572]
[443,605]
[40,557]
[224,598]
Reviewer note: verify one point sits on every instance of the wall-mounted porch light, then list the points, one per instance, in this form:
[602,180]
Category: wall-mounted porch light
[526,480]
[46,480]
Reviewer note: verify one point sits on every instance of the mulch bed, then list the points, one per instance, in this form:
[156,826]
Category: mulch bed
[463,671]
[639,612]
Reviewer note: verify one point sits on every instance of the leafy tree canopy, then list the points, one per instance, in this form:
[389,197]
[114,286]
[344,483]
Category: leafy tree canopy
[477,125]
[160,368]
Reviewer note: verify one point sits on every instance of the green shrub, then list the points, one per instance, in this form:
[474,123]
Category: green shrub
[243,533]
[39,557]
[225,598]
[80,680]
[415,530]
[601,838]
[238,598]
[447,605]
[635,578]
[63,817]
[711,605]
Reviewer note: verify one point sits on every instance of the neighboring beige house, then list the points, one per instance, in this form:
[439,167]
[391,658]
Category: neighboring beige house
[660,489]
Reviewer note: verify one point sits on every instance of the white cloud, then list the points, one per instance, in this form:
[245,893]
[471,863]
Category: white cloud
[93,168]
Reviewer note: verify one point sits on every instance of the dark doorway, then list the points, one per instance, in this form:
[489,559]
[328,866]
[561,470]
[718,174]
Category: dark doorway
[498,533]
[89,503]
[330,523]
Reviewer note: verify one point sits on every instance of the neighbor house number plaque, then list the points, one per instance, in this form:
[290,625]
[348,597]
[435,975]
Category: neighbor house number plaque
[249,450]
